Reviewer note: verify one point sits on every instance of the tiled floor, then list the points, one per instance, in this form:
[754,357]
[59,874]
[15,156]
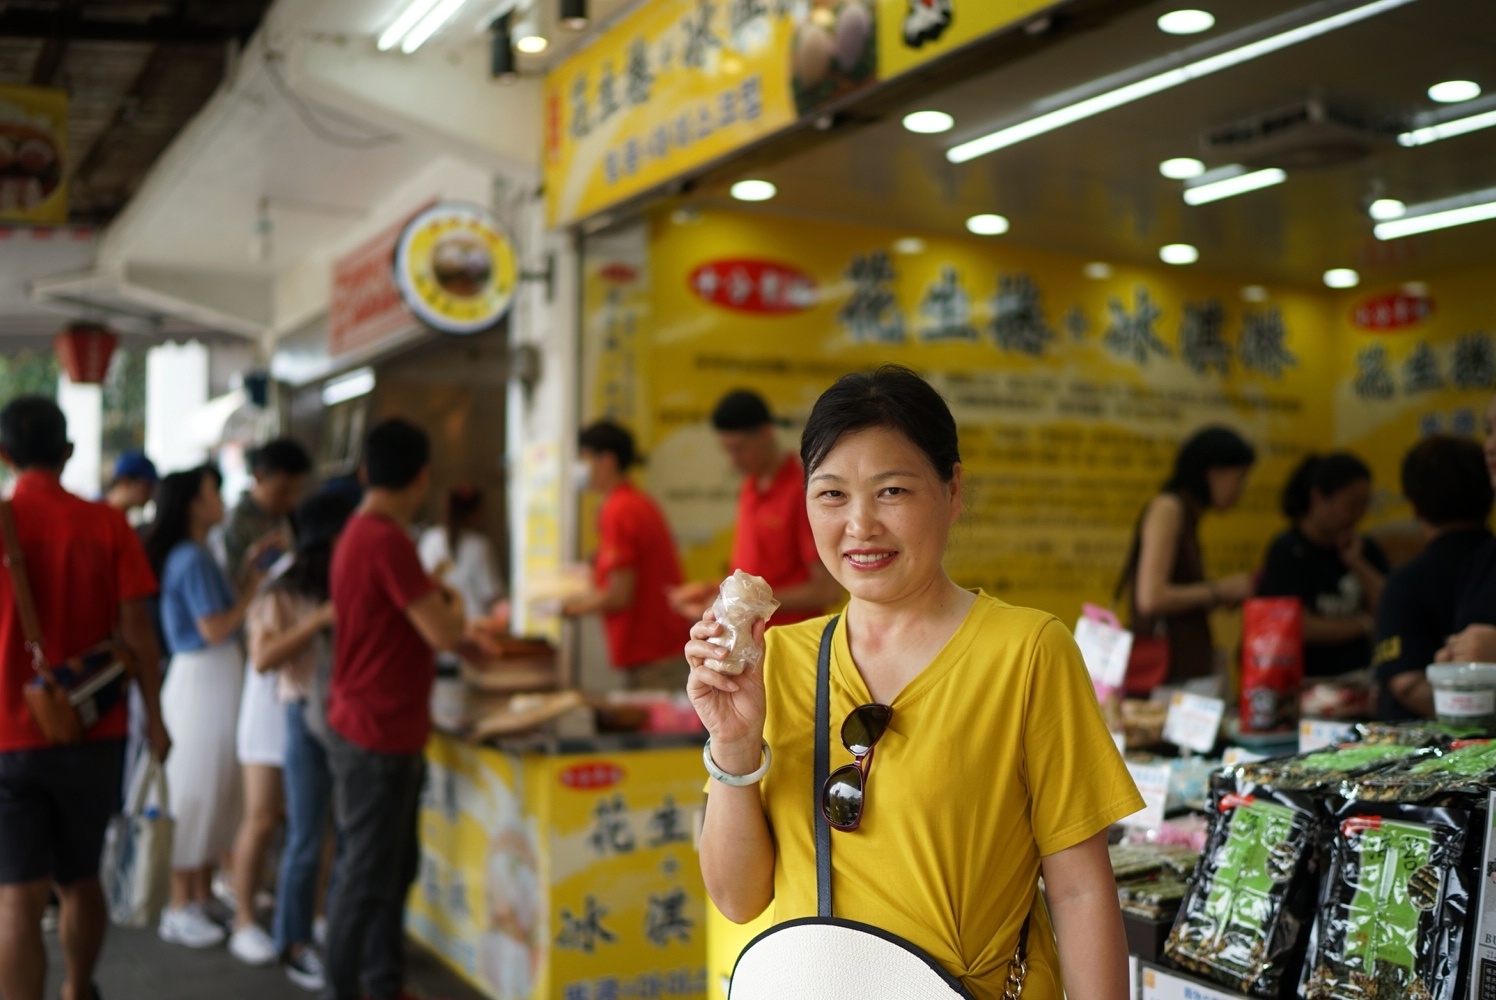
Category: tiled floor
[138,966]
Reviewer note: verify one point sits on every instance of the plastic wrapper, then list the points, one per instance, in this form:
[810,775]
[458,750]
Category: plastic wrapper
[1393,906]
[1466,768]
[1241,922]
[1416,734]
[742,601]
[1272,663]
[1156,899]
[1325,769]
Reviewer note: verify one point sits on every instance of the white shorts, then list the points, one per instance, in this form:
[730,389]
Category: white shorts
[262,721]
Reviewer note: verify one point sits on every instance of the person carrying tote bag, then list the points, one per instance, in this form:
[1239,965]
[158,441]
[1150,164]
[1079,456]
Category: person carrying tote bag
[962,749]
[136,870]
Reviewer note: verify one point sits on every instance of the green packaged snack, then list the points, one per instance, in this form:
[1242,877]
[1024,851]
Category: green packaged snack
[1468,767]
[1154,900]
[1240,923]
[1326,768]
[1393,905]
[1416,734]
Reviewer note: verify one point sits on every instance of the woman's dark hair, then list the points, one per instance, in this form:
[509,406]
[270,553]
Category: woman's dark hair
[1446,480]
[1211,448]
[1325,474]
[173,525]
[607,438]
[319,521]
[463,502]
[892,397]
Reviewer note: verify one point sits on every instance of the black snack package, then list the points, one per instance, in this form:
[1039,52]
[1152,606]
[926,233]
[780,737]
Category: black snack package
[1394,904]
[1242,922]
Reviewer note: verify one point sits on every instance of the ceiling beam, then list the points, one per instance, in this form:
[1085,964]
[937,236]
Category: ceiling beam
[49,59]
[66,24]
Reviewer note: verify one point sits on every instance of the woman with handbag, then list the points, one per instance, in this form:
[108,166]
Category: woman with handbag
[1170,597]
[201,618]
[290,637]
[993,762]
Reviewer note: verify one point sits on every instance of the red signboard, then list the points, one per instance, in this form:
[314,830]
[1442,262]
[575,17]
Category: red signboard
[592,775]
[1393,311]
[366,306]
[754,286]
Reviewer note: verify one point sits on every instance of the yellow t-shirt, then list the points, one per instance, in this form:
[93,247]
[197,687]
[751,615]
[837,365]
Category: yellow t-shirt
[996,755]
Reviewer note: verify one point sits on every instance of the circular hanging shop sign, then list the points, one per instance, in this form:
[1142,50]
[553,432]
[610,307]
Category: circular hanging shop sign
[455,268]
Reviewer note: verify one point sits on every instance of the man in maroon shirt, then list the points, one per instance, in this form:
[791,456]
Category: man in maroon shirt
[773,538]
[90,580]
[392,619]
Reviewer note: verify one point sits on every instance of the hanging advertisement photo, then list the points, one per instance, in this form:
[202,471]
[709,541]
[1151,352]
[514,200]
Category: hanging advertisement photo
[455,268]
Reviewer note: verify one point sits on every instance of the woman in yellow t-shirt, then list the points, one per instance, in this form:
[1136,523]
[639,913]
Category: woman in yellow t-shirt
[995,765]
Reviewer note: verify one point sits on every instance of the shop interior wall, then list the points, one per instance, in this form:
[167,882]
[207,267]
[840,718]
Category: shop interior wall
[1071,392]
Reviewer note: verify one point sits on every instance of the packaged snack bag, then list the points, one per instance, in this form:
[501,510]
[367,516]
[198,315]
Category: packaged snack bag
[1272,663]
[742,601]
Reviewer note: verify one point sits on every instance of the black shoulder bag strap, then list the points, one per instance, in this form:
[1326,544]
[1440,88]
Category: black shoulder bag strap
[1018,969]
[823,771]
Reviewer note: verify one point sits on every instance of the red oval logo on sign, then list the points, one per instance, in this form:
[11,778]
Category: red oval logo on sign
[619,274]
[1393,311]
[754,286]
[592,775]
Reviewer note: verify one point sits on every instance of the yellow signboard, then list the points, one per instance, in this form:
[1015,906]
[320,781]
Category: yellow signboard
[1072,393]
[569,877]
[33,155]
[914,32]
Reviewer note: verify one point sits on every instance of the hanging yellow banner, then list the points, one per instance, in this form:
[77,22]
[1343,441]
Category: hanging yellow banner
[33,155]
[914,32]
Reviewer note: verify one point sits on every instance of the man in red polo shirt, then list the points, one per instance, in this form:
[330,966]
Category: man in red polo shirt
[636,568]
[90,580]
[773,538]
[392,619]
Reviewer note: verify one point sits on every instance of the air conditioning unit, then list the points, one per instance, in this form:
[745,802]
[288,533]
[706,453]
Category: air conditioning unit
[1302,136]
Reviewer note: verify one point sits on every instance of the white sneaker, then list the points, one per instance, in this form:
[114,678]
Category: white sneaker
[305,969]
[252,946]
[188,927]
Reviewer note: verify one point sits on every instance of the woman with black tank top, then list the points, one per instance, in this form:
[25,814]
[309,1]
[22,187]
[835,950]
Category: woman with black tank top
[1169,594]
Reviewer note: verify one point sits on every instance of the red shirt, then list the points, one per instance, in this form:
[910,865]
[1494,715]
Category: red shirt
[382,668]
[773,537]
[83,561]
[634,536]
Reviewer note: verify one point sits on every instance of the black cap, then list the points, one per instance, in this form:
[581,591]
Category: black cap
[741,410]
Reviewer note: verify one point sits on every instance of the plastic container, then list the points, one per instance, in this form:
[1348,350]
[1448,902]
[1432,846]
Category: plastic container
[1464,693]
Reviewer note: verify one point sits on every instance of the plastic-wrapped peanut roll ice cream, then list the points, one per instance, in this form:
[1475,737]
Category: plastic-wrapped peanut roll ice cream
[742,601]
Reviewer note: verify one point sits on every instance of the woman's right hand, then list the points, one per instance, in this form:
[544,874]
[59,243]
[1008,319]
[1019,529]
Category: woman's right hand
[731,707]
[1233,590]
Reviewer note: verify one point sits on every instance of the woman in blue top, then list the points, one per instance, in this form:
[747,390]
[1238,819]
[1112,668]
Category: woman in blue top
[201,618]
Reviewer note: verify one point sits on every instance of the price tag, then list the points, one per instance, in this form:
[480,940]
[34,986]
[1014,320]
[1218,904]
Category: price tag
[1153,784]
[1236,755]
[1194,721]
[1316,734]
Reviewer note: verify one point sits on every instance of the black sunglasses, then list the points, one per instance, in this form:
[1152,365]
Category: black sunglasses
[844,793]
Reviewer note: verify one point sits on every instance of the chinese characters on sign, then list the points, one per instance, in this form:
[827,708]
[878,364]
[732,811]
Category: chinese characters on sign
[872,314]
[1131,336]
[1471,367]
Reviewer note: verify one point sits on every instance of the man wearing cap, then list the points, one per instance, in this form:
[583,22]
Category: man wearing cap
[773,538]
[134,481]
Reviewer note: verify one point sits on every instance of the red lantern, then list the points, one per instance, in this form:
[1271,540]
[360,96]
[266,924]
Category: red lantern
[84,350]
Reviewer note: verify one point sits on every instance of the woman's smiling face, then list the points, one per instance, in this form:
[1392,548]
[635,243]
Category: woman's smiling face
[881,515]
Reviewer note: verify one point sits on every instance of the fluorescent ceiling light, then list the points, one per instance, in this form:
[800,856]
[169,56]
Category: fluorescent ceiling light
[1150,85]
[429,25]
[987,225]
[1445,130]
[754,190]
[531,44]
[1232,181]
[1254,293]
[1097,270]
[909,246]
[1181,168]
[1178,253]
[408,19]
[1387,208]
[929,122]
[1477,206]
[1342,277]
[1186,22]
[359,382]
[1454,91]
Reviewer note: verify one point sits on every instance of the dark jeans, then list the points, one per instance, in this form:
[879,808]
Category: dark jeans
[308,800]
[378,798]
